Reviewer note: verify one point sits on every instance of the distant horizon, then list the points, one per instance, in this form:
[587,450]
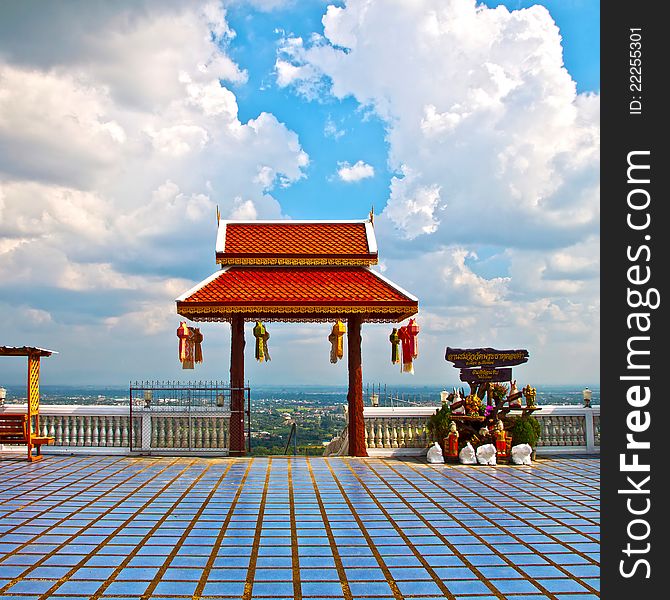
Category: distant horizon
[295,385]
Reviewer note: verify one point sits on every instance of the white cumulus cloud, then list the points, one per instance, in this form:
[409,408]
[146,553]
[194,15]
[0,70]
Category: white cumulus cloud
[352,173]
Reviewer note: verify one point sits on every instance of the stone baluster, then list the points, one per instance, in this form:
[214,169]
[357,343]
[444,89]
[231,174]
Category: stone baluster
[155,432]
[209,421]
[196,432]
[102,431]
[400,442]
[394,434]
[596,429]
[186,433]
[52,427]
[387,434]
[169,433]
[79,428]
[125,424]
[370,433]
[581,431]
[87,431]
[379,439]
[66,430]
[117,431]
[215,433]
[409,435]
[110,430]
[59,432]
[420,434]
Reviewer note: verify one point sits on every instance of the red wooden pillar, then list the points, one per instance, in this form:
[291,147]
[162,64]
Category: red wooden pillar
[237,445]
[355,394]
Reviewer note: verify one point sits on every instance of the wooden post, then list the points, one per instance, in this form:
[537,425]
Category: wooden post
[237,445]
[355,394]
[33,403]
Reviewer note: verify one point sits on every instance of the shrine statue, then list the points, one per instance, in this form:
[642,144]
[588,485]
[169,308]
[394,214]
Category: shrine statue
[514,396]
[456,403]
[529,393]
[452,442]
[503,444]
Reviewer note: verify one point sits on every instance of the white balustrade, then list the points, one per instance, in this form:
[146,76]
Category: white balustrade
[397,431]
[107,429]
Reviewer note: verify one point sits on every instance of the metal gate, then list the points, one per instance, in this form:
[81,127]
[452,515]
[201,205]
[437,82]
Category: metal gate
[179,418]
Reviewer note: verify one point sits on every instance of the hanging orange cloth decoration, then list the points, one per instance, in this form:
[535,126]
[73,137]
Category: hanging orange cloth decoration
[262,336]
[394,338]
[196,340]
[336,341]
[185,346]
[410,348]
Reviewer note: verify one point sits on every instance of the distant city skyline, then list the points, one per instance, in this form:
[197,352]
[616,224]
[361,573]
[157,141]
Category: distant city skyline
[473,130]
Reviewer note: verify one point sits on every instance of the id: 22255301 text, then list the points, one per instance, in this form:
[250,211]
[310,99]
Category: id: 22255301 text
[635,71]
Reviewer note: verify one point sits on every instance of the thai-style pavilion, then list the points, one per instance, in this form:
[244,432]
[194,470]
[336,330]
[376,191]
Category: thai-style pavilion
[297,271]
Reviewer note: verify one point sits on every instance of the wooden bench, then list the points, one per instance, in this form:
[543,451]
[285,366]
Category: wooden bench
[15,429]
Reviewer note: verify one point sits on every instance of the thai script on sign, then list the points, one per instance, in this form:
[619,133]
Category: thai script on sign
[485,357]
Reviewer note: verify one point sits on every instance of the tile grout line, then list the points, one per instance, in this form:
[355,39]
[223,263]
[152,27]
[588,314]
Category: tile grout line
[153,530]
[222,532]
[506,483]
[467,528]
[116,530]
[51,507]
[295,555]
[249,583]
[501,527]
[368,538]
[74,535]
[339,567]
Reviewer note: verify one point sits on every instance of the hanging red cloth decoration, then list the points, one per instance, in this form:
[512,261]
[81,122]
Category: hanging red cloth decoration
[410,348]
[262,336]
[336,341]
[394,338]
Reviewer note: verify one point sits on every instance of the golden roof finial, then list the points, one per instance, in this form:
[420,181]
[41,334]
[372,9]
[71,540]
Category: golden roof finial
[372,214]
[218,215]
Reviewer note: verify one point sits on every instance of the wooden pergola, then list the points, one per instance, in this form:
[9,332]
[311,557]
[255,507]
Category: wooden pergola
[297,271]
[32,434]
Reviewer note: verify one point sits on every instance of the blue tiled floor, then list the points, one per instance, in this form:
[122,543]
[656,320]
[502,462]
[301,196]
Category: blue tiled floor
[104,527]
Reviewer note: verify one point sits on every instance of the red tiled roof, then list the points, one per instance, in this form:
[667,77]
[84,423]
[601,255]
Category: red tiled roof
[297,284]
[328,242]
[251,288]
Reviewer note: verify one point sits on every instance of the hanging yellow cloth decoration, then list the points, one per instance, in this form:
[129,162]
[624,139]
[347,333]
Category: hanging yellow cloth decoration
[336,341]
[395,346]
[262,336]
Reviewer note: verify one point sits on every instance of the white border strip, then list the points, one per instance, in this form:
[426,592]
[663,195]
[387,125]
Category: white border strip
[372,240]
[202,284]
[393,285]
[221,237]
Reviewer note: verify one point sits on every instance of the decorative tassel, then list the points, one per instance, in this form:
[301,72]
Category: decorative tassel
[196,339]
[262,336]
[336,341]
[395,346]
[185,346]
[410,351]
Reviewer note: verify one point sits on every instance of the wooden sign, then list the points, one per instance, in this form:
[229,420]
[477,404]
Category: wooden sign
[485,357]
[485,375]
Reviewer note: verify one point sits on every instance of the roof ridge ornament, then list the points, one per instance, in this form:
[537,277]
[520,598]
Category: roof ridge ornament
[372,215]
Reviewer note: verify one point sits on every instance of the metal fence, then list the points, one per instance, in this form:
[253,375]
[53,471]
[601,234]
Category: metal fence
[177,417]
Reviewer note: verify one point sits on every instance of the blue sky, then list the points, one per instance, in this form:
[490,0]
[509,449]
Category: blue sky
[473,132]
